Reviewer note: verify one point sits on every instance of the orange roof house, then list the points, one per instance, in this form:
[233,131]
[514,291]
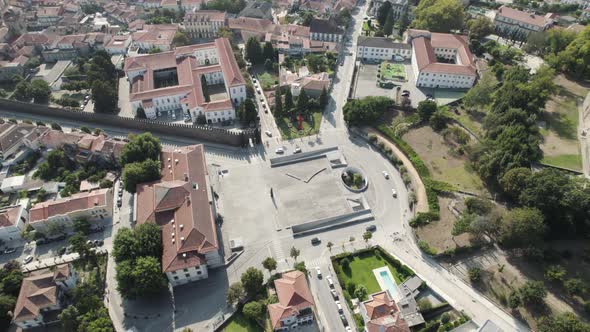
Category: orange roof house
[295,301]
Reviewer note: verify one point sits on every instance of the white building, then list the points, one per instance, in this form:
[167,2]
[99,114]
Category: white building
[94,206]
[41,297]
[441,60]
[174,80]
[204,23]
[398,7]
[13,220]
[325,30]
[156,36]
[512,21]
[183,204]
[382,49]
[13,184]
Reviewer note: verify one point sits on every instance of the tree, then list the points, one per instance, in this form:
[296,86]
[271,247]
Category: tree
[254,310]
[7,304]
[140,278]
[270,264]
[474,274]
[248,111]
[515,181]
[555,273]
[367,236]
[79,244]
[140,113]
[140,172]
[463,224]
[565,322]
[125,245]
[268,52]
[154,50]
[40,91]
[522,227]
[383,12]
[533,293]
[360,292]
[324,98]
[149,240]
[574,59]
[438,120]
[439,15]
[180,39]
[575,286]
[480,27]
[366,110]
[253,51]
[330,245]
[479,206]
[139,148]
[302,102]
[278,101]
[288,100]
[201,119]
[252,281]
[294,253]
[55,228]
[205,88]
[69,318]
[268,65]
[514,300]
[81,225]
[425,109]
[300,266]
[388,27]
[32,62]
[481,94]
[55,126]
[235,293]
[105,97]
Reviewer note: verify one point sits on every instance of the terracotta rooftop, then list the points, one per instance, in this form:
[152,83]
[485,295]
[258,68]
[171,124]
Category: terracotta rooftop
[384,315]
[9,215]
[425,42]
[260,26]
[38,292]
[293,293]
[157,34]
[179,203]
[62,206]
[517,15]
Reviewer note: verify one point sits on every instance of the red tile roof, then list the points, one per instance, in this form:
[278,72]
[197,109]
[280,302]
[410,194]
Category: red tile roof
[425,42]
[62,206]
[9,215]
[517,15]
[384,315]
[179,203]
[294,295]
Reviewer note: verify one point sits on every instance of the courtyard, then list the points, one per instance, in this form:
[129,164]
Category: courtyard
[392,71]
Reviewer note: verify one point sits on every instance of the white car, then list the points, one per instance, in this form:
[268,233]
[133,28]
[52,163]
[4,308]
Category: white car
[279,151]
[318,271]
[268,133]
[393,193]
[297,150]
[28,259]
[385,175]
[340,310]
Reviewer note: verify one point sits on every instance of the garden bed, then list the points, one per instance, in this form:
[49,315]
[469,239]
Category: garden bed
[289,130]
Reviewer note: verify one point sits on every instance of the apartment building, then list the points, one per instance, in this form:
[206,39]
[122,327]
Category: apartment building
[325,30]
[13,220]
[295,304]
[174,80]
[152,36]
[42,296]
[381,49]
[513,21]
[441,60]
[71,46]
[204,23]
[183,204]
[95,206]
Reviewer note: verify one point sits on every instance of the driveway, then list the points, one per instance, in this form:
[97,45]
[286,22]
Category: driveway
[124,105]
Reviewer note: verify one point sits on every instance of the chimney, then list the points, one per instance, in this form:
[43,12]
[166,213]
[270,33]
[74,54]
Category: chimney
[183,255]
[182,239]
[172,234]
[176,161]
[181,226]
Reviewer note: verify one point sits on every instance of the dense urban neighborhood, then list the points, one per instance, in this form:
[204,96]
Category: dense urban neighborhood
[295,165]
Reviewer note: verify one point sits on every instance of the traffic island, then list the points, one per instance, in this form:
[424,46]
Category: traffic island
[354,179]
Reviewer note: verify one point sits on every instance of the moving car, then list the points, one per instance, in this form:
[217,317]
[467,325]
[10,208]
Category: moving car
[385,175]
[253,80]
[371,228]
[319,272]
[393,193]
[405,94]
[28,259]
[268,133]
[279,151]
[297,150]
[315,240]
[259,92]
[9,250]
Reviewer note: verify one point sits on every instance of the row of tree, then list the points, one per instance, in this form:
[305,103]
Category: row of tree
[303,104]
[140,160]
[257,54]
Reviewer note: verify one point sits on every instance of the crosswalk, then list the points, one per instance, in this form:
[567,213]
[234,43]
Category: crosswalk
[278,250]
[312,263]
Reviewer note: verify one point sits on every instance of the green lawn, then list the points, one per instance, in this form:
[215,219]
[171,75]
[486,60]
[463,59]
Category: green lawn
[361,271]
[393,71]
[571,161]
[289,129]
[267,80]
[366,26]
[239,323]
[563,120]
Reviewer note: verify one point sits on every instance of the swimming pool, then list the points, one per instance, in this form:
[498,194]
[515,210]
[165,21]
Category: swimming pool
[388,283]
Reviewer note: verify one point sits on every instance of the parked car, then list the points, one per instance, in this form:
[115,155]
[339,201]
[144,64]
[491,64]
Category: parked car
[261,100]
[334,294]
[393,193]
[315,240]
[268,133]
[344,320]
[119,203]
[319,272]
[253,80]
[297,150]
[385,175]
[371,228]
[279,151]
[41,241]
[405,94]
[61,251]
[9,250]
[330,282]
[339,306]
[99,243]
[28,259]
[259,92]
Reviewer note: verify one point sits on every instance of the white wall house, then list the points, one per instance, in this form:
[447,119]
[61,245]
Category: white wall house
[509,20]
[13,220]
[381,48]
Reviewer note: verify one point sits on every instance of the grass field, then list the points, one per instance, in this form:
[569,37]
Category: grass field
[268,80]
[289,129]
[239,323]
[571,161]
[360,271]
[393,71]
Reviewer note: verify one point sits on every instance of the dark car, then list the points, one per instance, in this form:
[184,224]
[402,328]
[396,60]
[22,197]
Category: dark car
[344,320]
[61,251]
[41,241]
[371,228]
[315,240]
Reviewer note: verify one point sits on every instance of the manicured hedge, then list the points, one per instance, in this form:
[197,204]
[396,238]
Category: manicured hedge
[407,150]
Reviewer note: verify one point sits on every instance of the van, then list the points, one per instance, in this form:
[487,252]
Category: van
[330,282]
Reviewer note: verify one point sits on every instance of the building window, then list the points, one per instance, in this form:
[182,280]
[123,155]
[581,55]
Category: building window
[185,270]
[187,275]
[175,278]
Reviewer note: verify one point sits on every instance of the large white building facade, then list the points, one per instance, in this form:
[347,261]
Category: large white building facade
[512,21]
[174,80]
[441,60]
[204,23]
[381,48]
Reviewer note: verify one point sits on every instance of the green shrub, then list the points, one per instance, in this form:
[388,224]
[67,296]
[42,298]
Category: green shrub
[426,248]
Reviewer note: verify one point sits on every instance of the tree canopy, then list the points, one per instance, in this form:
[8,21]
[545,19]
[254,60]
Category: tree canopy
[140,172]
[575,58]
[439,15]
[522,227]
[252,281]
[139,148]
[366,110]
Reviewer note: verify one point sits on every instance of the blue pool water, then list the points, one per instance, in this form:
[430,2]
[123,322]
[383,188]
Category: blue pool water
[390,284]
